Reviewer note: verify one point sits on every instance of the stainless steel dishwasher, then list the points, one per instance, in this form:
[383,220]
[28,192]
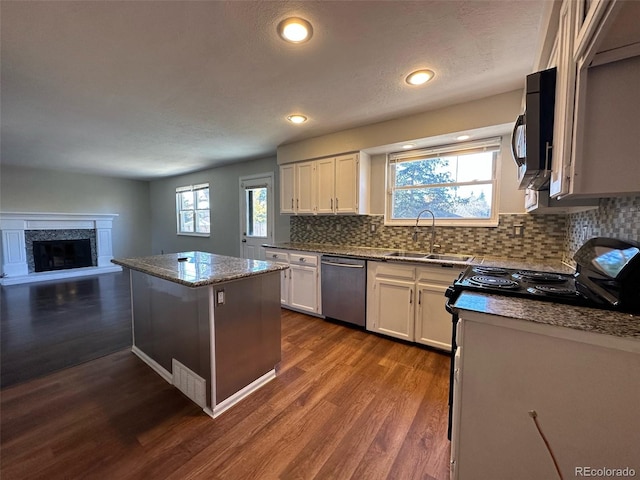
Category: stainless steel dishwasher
[344,289]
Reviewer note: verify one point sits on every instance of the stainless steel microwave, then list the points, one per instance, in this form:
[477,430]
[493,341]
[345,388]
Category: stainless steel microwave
[532,137]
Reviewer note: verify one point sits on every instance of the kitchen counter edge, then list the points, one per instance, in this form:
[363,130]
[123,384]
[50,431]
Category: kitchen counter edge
[209,268]
[381,254]
[592,320]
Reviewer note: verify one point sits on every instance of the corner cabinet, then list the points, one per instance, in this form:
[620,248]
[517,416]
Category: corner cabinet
[331,185]
[596,135]
[300,284]
[582,386]
[407,302]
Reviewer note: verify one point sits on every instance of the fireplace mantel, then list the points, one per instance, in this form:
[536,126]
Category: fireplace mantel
[14,260]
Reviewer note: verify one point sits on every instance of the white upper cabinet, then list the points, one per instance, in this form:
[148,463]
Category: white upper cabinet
[287,189]
[596,132]
[326,169]
[563,114]
[305,187]
[333,185]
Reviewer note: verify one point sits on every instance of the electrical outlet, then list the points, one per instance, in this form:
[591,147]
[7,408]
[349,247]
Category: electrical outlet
[220,297]
[518,230]
[373,228]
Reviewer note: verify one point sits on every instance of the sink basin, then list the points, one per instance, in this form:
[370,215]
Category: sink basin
[407,254]
[431,256]
[454,258]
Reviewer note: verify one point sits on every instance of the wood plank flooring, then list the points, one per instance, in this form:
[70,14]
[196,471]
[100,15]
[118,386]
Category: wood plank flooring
[345,404]
[49,326]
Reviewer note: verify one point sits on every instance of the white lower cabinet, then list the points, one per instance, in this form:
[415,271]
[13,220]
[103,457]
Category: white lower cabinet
[300,284]
[582,386]
[407,302]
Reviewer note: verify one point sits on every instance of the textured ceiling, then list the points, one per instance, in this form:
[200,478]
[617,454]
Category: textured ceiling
[145,89]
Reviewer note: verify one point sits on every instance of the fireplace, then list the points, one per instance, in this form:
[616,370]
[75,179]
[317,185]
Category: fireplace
[48,246]
[51,255]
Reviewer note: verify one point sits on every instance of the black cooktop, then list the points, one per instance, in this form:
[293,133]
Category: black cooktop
[555,287]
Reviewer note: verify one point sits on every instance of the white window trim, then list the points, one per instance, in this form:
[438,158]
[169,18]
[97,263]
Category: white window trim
[185,188]
[492,221]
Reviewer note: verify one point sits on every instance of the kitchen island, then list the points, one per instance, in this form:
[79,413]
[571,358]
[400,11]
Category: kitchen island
[208,324]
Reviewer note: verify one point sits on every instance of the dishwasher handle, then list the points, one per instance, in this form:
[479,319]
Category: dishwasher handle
[347,265]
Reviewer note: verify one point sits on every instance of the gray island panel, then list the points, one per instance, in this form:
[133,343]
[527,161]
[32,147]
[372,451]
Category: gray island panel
[218,316]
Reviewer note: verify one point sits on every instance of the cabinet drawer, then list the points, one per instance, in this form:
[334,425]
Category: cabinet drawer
[303,259]
[441,275]
[276,255]
[394,271]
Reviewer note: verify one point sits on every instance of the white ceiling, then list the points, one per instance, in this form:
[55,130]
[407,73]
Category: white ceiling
[145,89]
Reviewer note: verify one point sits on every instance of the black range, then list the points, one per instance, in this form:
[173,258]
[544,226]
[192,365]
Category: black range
[607,276]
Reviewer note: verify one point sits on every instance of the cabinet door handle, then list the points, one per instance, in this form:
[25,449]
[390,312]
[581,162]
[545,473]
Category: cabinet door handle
[547,157]
[292,202]
[336,203]
[411,296]
[297,203]
[332,204]
[420,297]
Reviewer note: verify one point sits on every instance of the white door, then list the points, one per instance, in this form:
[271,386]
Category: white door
[303,288]
[256,214]
[394,307]
[433,322]
[347,184]
[326,177]
[305,188]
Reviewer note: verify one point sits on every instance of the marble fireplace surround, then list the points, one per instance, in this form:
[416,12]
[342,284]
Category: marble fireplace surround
[15,268]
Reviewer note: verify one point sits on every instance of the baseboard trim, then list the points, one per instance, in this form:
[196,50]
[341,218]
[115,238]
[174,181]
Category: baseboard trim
[229,402]
[155,366]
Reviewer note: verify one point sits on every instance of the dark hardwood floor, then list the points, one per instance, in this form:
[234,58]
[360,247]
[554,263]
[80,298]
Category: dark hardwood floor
[49,326]
[345,404]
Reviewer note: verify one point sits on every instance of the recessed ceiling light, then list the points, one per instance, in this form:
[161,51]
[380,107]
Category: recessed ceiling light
[463,137]
[406,146]
[297,118]
[295,30]
[419,77]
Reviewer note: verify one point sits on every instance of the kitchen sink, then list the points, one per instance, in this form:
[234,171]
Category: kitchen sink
[431,256]
[407,254]
[451,257]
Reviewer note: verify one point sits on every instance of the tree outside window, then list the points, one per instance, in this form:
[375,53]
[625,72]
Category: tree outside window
[458,184]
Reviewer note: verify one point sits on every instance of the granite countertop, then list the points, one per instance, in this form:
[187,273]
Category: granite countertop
[370,253]
[199,269]
[594,320]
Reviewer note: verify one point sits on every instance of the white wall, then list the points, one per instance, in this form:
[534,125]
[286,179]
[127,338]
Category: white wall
[40,190]
[477,114]
[225,209]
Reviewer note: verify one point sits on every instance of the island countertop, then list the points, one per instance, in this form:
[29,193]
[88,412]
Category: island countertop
[198,269]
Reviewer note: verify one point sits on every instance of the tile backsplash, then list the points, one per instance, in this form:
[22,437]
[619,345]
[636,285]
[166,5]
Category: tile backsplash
[615,217]
[543,236]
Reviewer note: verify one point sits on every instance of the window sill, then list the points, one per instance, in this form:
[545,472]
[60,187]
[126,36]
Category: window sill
[184,234]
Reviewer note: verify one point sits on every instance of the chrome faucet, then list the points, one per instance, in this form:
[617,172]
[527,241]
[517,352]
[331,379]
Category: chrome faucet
[433,229]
